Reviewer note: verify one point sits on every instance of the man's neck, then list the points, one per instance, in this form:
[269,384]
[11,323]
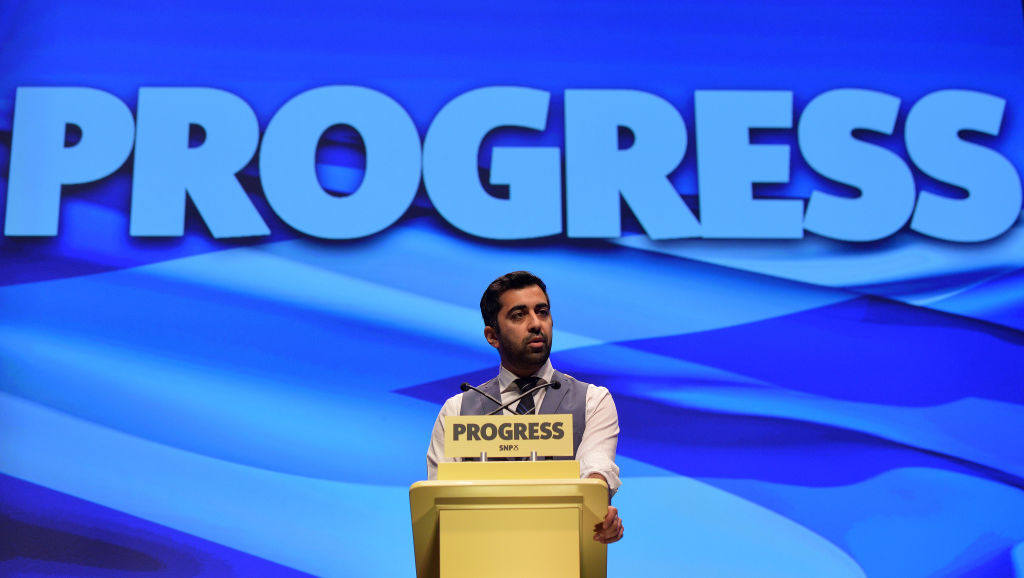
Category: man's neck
[522,372]
[519,371]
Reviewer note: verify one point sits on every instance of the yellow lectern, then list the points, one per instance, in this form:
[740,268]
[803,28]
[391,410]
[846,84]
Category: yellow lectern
[508,518]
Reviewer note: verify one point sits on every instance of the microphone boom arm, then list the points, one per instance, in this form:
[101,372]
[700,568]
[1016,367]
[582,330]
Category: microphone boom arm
[503,406]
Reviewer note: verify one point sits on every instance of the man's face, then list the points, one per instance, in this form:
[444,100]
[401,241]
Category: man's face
[523,338]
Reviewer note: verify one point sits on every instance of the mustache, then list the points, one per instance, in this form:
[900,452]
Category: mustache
[533,336]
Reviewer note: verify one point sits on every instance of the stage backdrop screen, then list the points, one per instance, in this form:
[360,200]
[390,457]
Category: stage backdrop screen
[244,245]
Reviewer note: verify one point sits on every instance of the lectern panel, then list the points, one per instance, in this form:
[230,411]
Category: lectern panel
[477,539]
[455,511]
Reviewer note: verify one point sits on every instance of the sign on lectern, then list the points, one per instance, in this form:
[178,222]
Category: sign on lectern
[508,436]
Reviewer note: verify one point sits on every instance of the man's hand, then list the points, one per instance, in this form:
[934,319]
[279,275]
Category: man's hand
[611,529]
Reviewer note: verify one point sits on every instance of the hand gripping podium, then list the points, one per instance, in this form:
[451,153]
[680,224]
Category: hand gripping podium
[508,518]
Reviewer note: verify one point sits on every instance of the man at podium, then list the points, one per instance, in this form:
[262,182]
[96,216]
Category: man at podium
[517,322]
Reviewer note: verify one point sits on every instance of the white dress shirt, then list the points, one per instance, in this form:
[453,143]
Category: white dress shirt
[596,452]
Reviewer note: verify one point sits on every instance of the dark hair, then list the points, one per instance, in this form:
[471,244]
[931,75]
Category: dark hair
[490,303]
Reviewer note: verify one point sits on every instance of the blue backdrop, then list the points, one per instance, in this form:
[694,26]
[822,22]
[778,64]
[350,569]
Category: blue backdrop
[259,406]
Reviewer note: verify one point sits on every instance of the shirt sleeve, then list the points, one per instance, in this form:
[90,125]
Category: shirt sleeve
[596,453]
[435,452]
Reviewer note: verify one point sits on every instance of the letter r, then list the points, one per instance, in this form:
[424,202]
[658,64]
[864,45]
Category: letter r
[167,169]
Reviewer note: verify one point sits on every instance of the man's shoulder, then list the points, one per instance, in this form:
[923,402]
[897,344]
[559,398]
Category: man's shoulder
[484,386]
[593,392]
[452,405]
[563,377]
[477,402]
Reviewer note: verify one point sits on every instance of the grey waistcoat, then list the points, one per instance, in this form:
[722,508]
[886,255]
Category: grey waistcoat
[570,398]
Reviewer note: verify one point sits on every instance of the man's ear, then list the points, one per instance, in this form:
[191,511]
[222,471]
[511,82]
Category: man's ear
[491,335]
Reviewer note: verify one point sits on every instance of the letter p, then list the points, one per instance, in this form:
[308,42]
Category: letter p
[41,163]
[458,430]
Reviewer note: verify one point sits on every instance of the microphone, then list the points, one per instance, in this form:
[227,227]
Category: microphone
[466,387]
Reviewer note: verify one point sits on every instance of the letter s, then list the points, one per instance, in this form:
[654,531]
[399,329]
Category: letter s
[545,430]
[828,144]
[993,185]
[559,432]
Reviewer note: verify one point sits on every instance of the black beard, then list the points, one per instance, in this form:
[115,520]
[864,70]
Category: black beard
[519,354]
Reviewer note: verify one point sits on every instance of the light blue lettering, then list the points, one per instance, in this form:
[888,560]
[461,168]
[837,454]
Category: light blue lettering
[40,163]
[533,174]
[728,165]
[167,168]
[993,185]
[598,172]
[288,156]
[887,191]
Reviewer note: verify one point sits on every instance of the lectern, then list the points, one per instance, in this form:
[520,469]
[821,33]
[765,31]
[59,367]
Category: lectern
[508,518]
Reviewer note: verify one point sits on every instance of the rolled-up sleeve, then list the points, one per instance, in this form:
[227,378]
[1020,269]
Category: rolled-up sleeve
[596,453]
[435,452]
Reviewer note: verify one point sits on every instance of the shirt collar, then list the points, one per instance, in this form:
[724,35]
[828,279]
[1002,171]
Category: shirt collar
[506,378]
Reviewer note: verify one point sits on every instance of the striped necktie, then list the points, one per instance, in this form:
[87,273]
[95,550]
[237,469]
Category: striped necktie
[525,384]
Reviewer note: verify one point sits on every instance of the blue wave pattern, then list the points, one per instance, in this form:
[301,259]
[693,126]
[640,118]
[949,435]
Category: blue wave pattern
[259,407]
[48,533]
[280,358]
